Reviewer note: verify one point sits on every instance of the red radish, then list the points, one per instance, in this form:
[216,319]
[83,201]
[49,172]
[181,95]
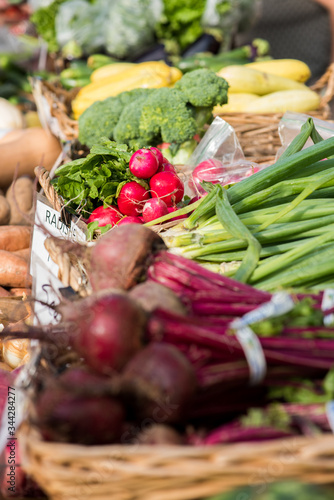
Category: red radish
[174,209]
[131,198]
[130,219]
[166,167]
[144,163]
[153,209]
[208,171]
[158,154]
[106,329]
[167,186]
[105,215]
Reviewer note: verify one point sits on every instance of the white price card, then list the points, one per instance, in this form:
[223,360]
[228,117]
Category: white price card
[44,271]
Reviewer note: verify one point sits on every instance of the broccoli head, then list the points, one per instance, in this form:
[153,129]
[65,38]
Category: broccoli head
[203,88]
[167,117]
[100,119]
[127,129]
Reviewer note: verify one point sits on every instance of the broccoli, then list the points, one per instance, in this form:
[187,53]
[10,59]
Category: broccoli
[166,116]
[127,129]
[100,119]
[148,117]
[203,88]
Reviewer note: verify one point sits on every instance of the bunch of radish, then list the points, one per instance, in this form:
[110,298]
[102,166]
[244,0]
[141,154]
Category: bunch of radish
[155,193]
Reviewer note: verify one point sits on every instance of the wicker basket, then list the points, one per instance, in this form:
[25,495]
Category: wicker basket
[258,134]
[138,472]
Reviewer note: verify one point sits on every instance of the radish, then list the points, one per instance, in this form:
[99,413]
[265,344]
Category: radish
[130,219]
[166,167]
[144,163]
[163,383]
[208,171]
[105,215]
[153,209]
[161,159]
[131,198]
[167,186]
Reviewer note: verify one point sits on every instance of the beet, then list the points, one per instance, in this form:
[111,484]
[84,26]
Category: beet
[159,435]
[162,382]
[63,416]
[151,295]
[106,329]
[121,256]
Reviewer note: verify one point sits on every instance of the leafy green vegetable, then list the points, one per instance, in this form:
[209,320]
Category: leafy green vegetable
[180,24]
[88,182]
[44,20]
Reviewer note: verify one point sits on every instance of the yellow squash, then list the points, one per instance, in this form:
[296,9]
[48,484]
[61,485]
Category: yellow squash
[236,103]
[288,68]
[243,79]
[300,101]
[143,75]
[109,70]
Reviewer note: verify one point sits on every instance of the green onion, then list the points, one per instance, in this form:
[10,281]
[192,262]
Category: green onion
[235,227]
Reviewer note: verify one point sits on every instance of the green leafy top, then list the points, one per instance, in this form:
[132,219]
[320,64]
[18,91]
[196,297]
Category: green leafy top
[88,182]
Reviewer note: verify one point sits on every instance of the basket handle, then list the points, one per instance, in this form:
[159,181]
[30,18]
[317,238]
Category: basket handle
[326,80]
[52,196]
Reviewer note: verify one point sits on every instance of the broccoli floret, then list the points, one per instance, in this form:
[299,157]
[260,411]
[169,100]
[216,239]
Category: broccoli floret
[127,129]
[167,117]
[100,119]
[203,88]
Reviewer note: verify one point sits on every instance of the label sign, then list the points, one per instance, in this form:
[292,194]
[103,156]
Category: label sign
[48,222]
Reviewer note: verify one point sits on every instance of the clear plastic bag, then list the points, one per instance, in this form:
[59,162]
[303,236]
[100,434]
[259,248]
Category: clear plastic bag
[290,125]
[218,159]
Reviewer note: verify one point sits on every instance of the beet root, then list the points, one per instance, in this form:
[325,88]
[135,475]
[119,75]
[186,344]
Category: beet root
[64,415]
[106,329]
[162,383]
[120,257]
[151,295]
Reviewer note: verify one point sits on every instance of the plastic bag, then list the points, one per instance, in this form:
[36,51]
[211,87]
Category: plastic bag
[218,159]
[290,125]
[131,26]
[80,22]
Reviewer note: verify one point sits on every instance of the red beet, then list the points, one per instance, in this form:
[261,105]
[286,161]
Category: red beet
[120,257]
[106,329]
[167,186]
[65,416]
[163,383]
[131,198]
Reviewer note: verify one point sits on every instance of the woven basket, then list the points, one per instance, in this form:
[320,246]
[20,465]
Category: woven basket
[257,134]
[138,472]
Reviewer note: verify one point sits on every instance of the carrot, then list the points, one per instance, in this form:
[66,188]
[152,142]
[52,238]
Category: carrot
[13,238]
[13,270]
